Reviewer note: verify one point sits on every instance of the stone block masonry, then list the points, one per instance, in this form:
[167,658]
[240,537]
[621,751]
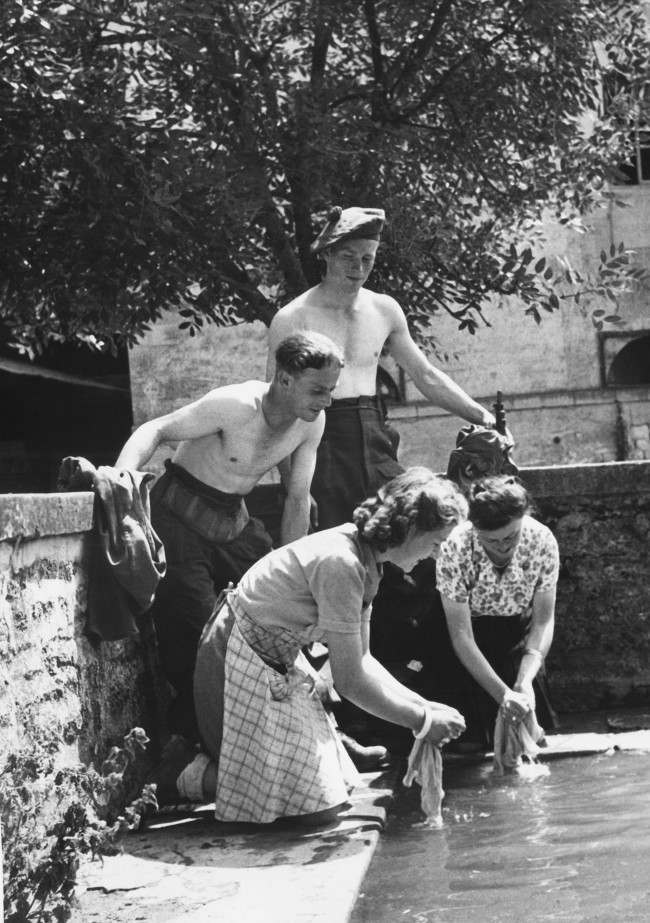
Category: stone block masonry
[53,680]
[600,515]
[54,683]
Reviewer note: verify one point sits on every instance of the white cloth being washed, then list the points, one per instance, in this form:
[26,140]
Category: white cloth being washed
[516,746]
[425,768]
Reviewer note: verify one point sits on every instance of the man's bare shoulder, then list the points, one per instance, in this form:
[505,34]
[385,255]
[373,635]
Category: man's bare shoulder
[381,300]
[244,395]
[385,305]
[298,304]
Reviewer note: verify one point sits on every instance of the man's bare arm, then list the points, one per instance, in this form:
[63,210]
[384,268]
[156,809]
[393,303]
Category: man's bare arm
[297,481]
[278,330]
[199,418]
[435,385]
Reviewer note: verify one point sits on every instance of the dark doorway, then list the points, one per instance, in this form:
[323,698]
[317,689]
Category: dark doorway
[631,366]
[68,401]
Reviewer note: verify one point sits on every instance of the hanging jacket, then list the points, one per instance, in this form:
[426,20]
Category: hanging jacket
[128,558]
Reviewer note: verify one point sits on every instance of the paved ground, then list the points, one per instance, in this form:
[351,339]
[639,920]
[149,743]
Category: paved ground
[189,868]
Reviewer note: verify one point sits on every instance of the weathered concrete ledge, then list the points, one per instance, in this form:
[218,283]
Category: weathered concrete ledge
[606,478]
[32,515]
[194,869]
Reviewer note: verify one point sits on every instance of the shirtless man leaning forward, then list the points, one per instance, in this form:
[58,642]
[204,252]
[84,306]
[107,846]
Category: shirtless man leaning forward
[228,439]
[358,452]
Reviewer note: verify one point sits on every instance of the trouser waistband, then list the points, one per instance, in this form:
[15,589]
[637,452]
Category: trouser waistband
[200,488]
[363,400]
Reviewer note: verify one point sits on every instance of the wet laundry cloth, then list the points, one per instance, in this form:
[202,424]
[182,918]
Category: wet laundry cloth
[276,750]
[356,456]
[425,768]
[515,744]
[128,559]
[210,541]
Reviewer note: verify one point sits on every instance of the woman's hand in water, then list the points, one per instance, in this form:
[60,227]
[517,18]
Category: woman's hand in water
[515,705]
[447,723]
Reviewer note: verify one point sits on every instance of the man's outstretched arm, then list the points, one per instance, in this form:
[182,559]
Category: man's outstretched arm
[435,385]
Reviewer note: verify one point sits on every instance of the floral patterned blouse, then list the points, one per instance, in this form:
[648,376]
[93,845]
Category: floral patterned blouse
[465,573]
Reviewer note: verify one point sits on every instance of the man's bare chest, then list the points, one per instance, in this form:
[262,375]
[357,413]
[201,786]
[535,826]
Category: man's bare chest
[255,448]
[361,337]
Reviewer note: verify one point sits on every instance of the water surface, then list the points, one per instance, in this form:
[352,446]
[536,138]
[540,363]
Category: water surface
[571,846]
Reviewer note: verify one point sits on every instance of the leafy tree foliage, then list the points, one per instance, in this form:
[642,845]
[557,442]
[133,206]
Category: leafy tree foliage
[158,153]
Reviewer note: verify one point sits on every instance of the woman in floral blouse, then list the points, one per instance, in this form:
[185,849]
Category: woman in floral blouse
[497,576]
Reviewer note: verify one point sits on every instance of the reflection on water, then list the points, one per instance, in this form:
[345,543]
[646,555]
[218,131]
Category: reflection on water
[570,846]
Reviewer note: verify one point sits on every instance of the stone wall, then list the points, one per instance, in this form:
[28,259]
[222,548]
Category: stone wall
[553,428]
[53,681]
[600,515]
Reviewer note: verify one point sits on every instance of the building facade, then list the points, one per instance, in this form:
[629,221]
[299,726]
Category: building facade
[573,394]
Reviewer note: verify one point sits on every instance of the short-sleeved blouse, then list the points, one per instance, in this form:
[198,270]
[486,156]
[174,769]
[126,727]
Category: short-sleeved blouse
[465,573]
[322,582]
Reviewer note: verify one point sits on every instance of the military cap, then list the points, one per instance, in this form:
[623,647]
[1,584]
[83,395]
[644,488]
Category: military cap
[480,451]
[348,224]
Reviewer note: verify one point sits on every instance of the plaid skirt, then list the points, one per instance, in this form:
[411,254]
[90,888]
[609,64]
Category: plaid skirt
[278,751]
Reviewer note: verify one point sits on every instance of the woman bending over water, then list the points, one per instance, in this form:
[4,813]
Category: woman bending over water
[273,751]
[497,575]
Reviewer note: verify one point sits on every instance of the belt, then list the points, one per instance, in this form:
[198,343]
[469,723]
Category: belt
[364,400]
[205,491]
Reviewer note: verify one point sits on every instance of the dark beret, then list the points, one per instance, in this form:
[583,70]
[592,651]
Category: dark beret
[483,451]
[348,224]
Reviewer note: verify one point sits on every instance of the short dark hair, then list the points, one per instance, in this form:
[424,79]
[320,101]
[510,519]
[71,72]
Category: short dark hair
[307,350]
[418,499]
[496,501]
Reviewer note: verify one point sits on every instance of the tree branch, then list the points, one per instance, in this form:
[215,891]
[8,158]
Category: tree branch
[436,88]
[322,38]
[420,49]
[379,100]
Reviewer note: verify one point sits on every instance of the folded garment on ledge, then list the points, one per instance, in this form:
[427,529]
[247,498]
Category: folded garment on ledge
[425,768]
[128,558]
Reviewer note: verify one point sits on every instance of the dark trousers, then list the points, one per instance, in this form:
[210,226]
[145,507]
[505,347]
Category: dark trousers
[502,642]
[199,566]
[357,454]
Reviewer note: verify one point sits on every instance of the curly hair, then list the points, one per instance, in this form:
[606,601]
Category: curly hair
[496,501]
[417,499]
[307,350]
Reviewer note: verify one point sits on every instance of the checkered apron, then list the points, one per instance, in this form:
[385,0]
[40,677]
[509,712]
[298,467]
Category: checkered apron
[280,753]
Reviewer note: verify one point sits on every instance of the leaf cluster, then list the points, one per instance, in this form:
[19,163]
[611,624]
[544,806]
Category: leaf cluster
[182,154]
[41,857]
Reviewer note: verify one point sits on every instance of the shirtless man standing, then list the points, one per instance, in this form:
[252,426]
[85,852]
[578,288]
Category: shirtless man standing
[358,452]
[228,439]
